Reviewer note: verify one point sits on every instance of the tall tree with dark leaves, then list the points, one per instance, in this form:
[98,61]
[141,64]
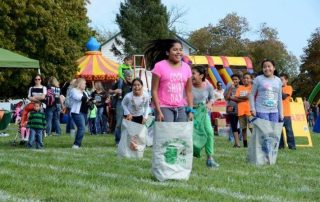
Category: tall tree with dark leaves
[310,68]
[53,32]
[269,46]
[141,21]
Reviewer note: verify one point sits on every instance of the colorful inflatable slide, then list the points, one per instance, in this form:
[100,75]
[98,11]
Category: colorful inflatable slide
[219,67]
[314,93]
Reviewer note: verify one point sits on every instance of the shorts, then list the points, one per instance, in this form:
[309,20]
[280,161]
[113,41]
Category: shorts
[244,122]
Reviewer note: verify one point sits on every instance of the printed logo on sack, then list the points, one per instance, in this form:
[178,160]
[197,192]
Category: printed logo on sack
[133,142]
[269,145]
[175,151]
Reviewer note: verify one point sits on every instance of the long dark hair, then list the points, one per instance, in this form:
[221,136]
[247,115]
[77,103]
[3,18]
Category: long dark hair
[156,50]
[137,79]
[202,70]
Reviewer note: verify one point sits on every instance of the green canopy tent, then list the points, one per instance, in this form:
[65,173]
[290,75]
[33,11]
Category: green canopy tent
[10,59]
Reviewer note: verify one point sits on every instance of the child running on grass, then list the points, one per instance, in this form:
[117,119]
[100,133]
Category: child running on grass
[242,98]
[136,103]
[203,135]
[266,94]
[36,124]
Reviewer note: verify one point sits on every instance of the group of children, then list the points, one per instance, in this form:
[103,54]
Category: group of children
[181,93]
[267,97]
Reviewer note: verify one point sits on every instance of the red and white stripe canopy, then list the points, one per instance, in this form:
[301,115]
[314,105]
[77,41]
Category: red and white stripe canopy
[93,67]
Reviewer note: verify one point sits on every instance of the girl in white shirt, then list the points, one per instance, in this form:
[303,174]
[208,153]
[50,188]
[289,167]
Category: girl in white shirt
[136,103]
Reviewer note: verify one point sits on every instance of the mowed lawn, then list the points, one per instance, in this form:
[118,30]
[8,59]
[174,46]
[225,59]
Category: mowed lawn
[95,173]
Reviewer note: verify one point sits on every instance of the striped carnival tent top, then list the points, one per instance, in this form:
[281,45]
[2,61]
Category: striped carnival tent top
[93,67]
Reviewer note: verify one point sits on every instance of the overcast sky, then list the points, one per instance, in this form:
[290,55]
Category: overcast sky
[295,20]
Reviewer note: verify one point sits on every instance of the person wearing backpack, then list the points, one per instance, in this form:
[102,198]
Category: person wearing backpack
[53,106]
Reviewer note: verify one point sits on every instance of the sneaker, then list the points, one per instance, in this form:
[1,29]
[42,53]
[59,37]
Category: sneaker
[75,147]
[212,164]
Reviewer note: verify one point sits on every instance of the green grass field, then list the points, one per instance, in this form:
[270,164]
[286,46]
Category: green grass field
[95,173]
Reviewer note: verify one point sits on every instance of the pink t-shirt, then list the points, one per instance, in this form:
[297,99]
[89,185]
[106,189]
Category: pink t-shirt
[172,83]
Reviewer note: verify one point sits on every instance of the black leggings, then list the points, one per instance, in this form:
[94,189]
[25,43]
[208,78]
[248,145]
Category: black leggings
[233,118]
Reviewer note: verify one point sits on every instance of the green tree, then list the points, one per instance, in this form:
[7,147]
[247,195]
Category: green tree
[54,32]
[226,38]
[310,68]
[269,46]
[141,21]
[202,38]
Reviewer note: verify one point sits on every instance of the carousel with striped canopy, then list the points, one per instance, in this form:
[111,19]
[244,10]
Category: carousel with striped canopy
[95,67]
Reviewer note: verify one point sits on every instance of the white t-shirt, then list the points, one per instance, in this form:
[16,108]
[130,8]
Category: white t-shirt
[218,94]
[136,105]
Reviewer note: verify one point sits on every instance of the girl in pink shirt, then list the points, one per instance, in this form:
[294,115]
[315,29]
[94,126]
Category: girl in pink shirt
[171,81]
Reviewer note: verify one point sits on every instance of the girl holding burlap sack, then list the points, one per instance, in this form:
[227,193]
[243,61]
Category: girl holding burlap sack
[173,103]
[266,107]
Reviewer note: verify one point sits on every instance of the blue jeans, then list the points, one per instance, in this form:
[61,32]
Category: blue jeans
[35,136]
[92,126]
[53,117]
[70,123]
[290,137]
[80,121]
[119,117]
[101,124]
[120,83]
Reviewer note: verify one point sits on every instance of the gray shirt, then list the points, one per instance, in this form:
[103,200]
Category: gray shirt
[232,103]
[266,95]
[202,95]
